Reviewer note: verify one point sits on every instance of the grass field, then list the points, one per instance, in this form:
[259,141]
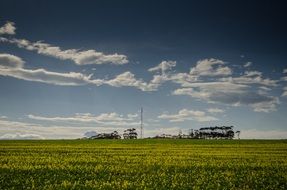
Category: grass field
[143,164]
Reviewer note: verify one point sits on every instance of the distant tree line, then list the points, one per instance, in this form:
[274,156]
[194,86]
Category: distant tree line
[128,134]
[223,132]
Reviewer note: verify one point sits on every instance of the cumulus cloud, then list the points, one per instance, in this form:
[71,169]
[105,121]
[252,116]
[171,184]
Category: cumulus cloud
[210,67]
[250,89]
[186,114]
[203,68]
[86,57]
[128,79]
[110,119]
[8,28]
[10,61]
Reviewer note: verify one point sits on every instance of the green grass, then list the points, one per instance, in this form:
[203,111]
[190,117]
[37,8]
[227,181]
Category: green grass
[143,164]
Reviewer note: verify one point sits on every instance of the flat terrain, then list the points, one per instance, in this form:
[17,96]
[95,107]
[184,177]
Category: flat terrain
[143,164]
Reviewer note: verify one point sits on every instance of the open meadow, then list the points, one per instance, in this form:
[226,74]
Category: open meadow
[143,164]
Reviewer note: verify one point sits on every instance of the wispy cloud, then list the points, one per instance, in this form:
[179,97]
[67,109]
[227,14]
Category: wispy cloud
[79,57]
[186,114]
[251,77]
[215,110]
[8,28]
[163,67]
[13,66]
[21,136]
[106,119]
[232,96]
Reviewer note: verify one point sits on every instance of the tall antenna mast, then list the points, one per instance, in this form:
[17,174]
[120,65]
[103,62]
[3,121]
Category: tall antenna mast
[141,122]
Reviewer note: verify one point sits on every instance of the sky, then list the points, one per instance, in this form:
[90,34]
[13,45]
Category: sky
[72,67]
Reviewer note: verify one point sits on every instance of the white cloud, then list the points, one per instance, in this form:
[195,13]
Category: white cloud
[248,64]
[230,94]
[44,76]
[217,86]
[264,88]
[251,77]
[284,78]
[10,61]
[8,28]
[163,67]
[284,94]
[12,66]
[215,110]
[128,79]
[210,67]
[249,89]
[231,91]
[85,57]
[185,114]
[105,119]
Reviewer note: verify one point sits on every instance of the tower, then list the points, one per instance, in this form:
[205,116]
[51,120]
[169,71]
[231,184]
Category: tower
[141,122]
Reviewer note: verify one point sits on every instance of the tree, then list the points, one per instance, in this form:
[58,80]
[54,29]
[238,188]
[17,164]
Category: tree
[130,134]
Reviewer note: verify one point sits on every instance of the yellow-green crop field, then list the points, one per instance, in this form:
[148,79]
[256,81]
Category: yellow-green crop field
[143,164]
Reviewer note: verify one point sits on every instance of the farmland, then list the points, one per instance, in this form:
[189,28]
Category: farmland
[143,164]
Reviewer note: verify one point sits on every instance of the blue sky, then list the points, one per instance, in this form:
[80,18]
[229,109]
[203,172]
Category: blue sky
[71,67]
